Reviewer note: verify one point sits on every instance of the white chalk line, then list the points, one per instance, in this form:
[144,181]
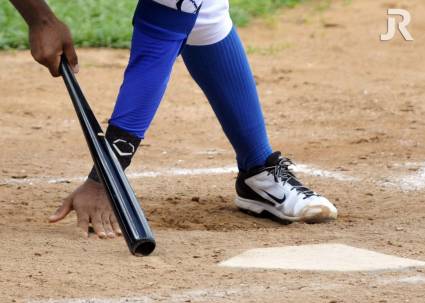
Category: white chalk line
[410,182]
[174,172]
[186,296]
[178,297]
[201,295]
[405,182]
[317,172]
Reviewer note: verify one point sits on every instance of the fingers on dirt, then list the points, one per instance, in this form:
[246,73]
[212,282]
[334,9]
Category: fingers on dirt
[98,226]
[62,211]
[83,222]
[115,225]
[107,225]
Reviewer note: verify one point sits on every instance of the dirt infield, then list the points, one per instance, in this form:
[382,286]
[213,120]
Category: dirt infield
[337,100]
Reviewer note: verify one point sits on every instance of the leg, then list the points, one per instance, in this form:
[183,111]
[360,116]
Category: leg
[145,80]
[265,182]
[158,36]
[223,72]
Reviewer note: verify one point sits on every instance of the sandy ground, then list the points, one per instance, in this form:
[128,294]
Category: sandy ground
[334,96]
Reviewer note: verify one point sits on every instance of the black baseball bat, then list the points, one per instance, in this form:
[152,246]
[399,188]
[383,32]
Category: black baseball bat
[131,219]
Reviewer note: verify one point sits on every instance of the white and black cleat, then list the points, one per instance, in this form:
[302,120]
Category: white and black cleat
[274,189]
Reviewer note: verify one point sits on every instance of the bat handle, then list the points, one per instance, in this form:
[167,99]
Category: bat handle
[64,67]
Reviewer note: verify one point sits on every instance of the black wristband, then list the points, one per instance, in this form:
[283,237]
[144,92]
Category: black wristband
[124,146]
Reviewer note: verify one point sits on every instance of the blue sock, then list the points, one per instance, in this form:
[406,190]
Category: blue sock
[223,73]
[158,36]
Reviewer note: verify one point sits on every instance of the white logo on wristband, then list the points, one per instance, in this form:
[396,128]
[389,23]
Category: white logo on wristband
[123,153]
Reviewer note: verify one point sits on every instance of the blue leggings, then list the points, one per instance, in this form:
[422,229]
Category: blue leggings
[223,73]
[158,36]
[221,70]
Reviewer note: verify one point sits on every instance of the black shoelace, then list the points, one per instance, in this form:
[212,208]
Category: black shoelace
[281,171]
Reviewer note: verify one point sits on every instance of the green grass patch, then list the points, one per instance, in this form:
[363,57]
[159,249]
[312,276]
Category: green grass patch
[270,50]
[107,23]
[243,11]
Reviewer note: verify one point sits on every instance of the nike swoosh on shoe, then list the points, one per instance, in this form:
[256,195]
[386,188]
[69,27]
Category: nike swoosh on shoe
[276,199]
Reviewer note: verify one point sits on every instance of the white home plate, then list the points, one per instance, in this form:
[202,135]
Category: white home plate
[321,257]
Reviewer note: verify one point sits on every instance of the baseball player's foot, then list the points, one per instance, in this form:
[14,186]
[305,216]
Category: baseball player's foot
[275,189]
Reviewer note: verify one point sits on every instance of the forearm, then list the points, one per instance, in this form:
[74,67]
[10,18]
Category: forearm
[34,11]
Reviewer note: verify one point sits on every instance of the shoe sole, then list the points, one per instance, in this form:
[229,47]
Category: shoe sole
[316,214]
